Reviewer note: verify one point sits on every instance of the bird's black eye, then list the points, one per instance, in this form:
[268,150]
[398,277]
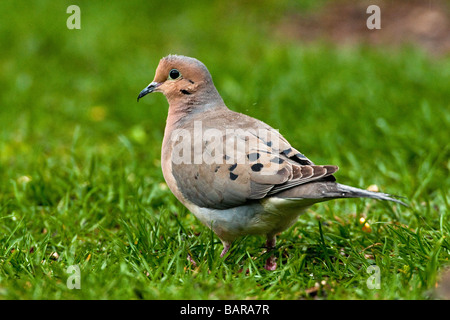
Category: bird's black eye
[174,74]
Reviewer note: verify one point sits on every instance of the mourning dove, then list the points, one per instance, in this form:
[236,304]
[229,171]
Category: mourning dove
[236,174]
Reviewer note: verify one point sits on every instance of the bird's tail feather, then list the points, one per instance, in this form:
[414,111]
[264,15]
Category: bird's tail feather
[343,191]
[325,190]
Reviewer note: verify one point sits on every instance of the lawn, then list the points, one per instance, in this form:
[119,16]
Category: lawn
[80,175]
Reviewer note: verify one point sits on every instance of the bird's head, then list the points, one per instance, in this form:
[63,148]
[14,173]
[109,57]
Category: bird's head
[182,78]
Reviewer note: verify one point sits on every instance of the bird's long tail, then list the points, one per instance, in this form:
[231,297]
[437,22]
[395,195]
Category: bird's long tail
[343,191]
[326,190]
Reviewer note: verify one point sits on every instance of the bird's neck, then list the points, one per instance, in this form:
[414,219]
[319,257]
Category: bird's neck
[185,108]
[184,115]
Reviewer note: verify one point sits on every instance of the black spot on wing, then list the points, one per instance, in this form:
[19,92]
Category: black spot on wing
[300,158]
[232,167]
[257,167]
[287,151]
[233,176]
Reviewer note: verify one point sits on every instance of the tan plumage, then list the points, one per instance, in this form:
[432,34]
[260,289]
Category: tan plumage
[237,174]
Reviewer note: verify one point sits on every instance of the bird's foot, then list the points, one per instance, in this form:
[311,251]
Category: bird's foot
[189,258]
[271,265]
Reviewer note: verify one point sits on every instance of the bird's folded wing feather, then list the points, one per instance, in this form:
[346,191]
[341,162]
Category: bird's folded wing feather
[229,175]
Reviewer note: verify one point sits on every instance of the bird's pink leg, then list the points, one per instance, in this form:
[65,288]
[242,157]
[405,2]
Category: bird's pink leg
[271,265]
[226,248]
[189,258]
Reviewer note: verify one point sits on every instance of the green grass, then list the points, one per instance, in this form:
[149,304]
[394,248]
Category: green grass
[80,172]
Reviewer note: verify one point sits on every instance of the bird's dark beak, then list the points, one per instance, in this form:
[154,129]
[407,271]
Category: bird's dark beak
[150,88]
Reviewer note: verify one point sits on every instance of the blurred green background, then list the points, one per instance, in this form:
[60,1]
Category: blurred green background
[79,157]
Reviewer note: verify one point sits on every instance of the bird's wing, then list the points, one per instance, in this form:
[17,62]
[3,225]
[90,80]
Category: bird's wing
[248,165]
